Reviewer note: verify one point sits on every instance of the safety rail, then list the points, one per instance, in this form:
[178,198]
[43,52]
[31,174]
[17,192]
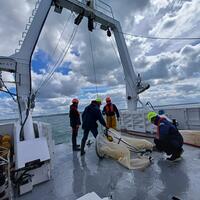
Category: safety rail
[187,117]
[108,8]
[101,6]
[133,121]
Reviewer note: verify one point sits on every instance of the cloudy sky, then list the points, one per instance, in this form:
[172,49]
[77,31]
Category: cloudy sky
[171,67]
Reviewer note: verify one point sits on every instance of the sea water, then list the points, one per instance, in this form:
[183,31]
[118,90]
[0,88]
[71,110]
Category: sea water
[61,130]
[60,124]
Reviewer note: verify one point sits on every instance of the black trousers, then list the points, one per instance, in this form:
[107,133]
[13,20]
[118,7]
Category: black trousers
[74,136]
[85,136]
[168,147]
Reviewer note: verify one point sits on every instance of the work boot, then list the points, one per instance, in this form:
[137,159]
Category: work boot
[176,156]
[82,153]
[82,147]
[173,158]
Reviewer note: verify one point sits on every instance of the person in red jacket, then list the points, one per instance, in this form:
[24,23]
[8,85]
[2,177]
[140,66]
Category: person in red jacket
[74,123]
[111,111]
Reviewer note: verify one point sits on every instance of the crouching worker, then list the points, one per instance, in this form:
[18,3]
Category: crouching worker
[168,138]
[90,116]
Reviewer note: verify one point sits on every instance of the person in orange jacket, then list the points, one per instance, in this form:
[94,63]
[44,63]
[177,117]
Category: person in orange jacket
[111,112]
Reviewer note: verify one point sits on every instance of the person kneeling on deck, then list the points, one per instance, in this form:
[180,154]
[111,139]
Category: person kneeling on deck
[90,116]
[168,138]
[74,123]
[111,111]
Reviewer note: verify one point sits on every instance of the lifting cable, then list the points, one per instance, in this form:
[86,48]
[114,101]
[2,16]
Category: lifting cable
[93,64]
[153,37]
[161,38]
[59,61]
[54,51]
[65,25]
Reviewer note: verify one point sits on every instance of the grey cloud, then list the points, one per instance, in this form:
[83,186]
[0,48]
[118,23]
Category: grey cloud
[51,106]
[180,92]
[187,89]
[187,50]
[104,57]
[8,107]
[12,23]
[59,85]
[125,10]
[182,21]
[158,69]
[190,60]
[169,23]
[171,66]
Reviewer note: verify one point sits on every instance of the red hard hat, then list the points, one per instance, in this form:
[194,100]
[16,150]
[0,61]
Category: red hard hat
[108,99]
[75,100]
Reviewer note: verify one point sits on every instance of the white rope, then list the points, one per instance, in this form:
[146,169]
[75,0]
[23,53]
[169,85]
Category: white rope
[53,52]
[93,64]
[60,59]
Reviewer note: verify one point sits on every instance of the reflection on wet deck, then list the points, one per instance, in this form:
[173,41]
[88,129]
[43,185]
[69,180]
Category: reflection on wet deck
[75,176]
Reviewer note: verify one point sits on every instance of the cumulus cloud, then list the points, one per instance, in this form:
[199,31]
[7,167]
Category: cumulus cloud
[183,91]
[8,107]
[13,23]
[172,65]
[174,24]
[174,77]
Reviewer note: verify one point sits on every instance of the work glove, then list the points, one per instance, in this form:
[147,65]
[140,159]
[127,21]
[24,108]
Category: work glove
[109,138]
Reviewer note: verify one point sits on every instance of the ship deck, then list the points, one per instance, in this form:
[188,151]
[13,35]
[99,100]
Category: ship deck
[74,176]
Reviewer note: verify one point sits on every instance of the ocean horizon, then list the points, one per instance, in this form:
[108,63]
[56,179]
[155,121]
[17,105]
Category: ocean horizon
[60,124]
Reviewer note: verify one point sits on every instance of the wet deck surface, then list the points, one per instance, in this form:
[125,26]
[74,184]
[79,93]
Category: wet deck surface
[75,176]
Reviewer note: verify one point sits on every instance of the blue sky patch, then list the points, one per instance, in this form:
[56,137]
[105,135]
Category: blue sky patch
[65,68]
[75,52]
[40,61]
[4,94]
